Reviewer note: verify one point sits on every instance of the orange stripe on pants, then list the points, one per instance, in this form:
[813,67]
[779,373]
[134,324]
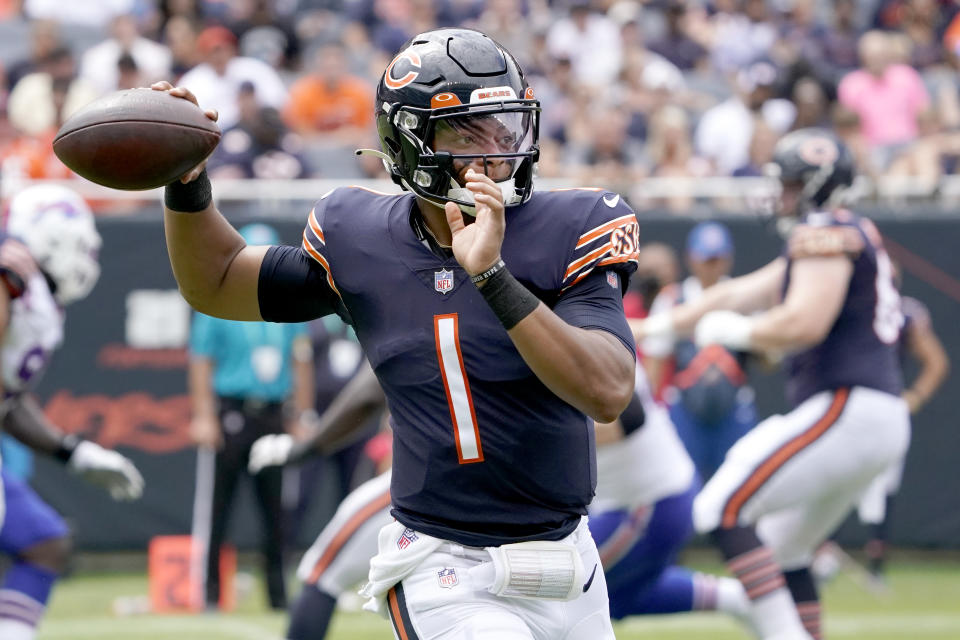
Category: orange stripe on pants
[731,512]
[354,523]
[395,614]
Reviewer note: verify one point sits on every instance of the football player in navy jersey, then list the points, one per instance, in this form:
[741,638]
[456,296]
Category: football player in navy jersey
[830,304]
[493,319]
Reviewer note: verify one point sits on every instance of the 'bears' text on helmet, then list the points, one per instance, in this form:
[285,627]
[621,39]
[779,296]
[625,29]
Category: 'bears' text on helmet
[450,98]
[58,228]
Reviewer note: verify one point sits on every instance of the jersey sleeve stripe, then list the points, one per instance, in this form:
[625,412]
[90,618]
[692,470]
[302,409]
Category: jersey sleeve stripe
[579,263]
[316,255]
[315,227]
[604,228]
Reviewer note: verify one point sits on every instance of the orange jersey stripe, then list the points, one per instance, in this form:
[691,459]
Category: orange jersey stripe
[315,227]
[596,232]
[377,504]
[578,264]
[316,255]
[731,512]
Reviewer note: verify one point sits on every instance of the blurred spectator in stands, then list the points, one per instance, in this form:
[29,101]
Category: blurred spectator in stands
[591,42]
[601,152]
[128,73]
[921,22]
[389,24]
[676,45]
[191,10]
[41,101]
[44,40]
[761,151]
[259,145]
[505,22]
[94,14]
[330,104]
[923,161]
[180,35]
[264,33]
[846,124]
[838,43]
[811,104]
[724,132]
[740,33]
[887,96]
[216,81]
[98,65]
[670,152]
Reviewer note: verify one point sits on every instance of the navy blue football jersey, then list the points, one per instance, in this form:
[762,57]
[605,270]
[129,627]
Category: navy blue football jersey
[484,453]
[861,347]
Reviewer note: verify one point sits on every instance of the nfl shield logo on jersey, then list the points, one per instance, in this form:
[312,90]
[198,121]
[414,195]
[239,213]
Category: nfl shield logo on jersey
[408,537]
[447,578]
[443,280]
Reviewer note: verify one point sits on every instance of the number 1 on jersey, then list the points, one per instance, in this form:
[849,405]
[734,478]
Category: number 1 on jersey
[446,331]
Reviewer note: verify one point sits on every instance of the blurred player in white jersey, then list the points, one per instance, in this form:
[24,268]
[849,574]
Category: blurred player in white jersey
[48,259]
[829,302]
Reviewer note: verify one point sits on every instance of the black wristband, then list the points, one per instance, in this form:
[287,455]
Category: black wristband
[480,277]
[68,445]
[510,301]
[194,196]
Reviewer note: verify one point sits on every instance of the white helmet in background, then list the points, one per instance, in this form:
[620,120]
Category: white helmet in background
[58,229]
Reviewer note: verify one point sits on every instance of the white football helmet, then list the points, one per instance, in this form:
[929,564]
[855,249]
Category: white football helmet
[58,229]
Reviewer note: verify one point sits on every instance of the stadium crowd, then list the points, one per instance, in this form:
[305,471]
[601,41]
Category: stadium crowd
[630,89]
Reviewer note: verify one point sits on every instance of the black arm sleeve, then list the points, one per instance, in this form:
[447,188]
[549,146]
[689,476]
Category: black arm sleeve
[293,288]
[634,416]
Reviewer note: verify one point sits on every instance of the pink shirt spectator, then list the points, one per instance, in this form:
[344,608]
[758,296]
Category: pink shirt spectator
[888,106]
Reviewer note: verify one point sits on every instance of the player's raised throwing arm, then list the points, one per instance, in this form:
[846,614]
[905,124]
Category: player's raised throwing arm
[216,271]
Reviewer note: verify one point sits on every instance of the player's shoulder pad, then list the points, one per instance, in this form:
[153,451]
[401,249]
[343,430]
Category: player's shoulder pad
[339,207]
[827,234]
[607,232]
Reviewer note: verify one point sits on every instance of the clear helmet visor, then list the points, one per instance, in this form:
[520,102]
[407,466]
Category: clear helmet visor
[492,142]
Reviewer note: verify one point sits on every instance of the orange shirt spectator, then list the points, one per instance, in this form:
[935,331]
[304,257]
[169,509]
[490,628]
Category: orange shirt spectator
[331,101]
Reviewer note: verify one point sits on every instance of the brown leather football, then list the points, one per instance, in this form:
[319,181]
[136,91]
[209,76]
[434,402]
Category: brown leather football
[136,139]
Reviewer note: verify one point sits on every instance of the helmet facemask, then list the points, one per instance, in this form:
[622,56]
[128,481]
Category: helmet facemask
[437,146]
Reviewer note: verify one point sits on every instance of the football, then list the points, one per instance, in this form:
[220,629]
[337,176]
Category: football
[136,139]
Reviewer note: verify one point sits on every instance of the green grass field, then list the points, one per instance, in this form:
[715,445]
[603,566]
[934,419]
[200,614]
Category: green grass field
[923,603]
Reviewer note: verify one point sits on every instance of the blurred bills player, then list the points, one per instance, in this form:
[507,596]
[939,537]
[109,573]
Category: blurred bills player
[493,318]
[48,259]
[830,303]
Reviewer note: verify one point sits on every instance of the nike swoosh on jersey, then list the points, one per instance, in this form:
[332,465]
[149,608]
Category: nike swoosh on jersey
[611,201]
[586,585]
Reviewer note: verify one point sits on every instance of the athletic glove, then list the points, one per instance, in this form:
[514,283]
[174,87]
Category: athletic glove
[727,328]
[107,469]
[270,451]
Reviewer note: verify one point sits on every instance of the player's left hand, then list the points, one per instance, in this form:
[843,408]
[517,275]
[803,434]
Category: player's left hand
[108,469]
[727,328]
[15,257]
[270,451]
[477,246]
